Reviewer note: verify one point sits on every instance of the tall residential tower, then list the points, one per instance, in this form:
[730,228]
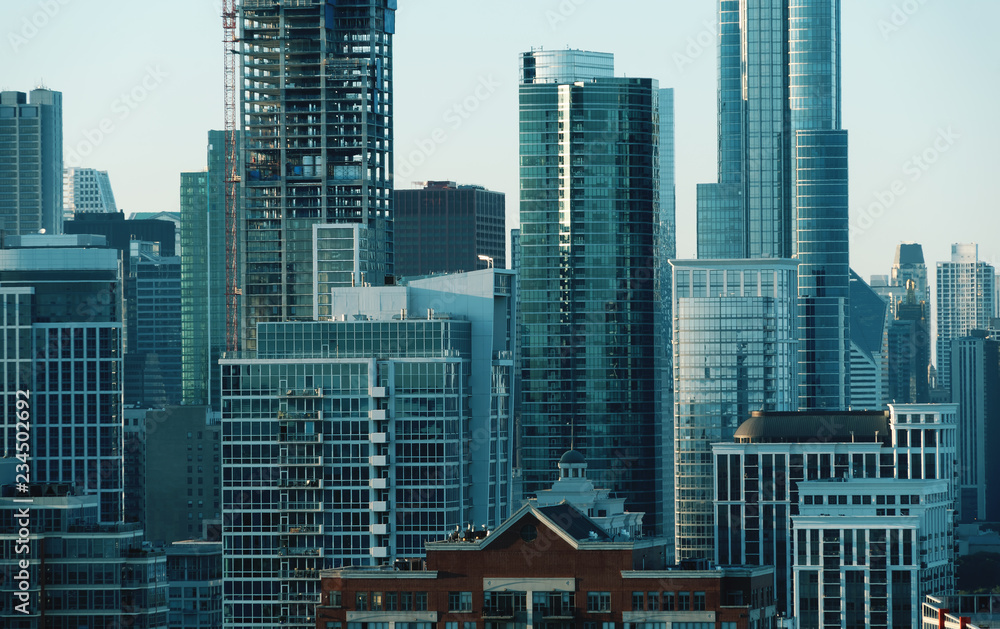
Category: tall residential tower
[590,210]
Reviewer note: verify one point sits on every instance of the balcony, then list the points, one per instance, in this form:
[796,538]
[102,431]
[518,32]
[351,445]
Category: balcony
[310,505]
[303,393]
[314,483]
[298,574]
[379,529]
[377,414]
[378,437]
[379,551]
[381,460]
[301,551]
[498,613]
[302,530]
[379,506]
[314,438]
[378,483]
[377,392]
[558,613]
[300,460]
[309,415]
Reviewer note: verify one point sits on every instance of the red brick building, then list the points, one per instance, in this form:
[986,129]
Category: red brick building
[548,567]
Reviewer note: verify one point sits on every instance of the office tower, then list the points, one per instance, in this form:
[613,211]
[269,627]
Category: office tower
[203,274]
[81,571]
[589,213]
[515,250]
[447,228]
[782,171]
[63,299]
[183,448]
[975,388]
[965,294]
[194,569]
[869,347]
[316,108]
[86,190]
[356,440]
[153,367]
[134,464]
[31,162]
[910,349]
[734,353]
[791,480]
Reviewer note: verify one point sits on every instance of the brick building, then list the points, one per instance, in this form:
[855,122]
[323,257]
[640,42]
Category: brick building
[549,567]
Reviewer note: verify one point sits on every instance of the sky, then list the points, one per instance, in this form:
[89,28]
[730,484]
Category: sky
[142,85]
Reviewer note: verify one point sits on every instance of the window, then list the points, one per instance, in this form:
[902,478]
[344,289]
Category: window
[460,602]
[699,601]
[653,601]
[683,601]
[336,599]
[361,601]
[376,601]
[391,601]
[599,602]
[637,601]
[668,601]
[420,601]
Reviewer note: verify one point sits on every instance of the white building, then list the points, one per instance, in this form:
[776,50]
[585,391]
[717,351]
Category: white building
[965,294]
[86,190]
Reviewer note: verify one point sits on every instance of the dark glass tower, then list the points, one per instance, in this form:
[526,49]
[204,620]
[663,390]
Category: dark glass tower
[590,211]
[317,123]
[782,189]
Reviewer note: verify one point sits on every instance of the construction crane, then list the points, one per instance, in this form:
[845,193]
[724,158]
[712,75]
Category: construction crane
[230,22]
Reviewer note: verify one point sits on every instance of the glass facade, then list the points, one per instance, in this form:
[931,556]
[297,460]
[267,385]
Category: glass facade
[782,182]
[590,212]
[343,444]
[965,302]
[317,124]
[734,352]
[203,274]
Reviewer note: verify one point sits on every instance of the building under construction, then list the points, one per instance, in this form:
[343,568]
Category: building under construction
[316,112]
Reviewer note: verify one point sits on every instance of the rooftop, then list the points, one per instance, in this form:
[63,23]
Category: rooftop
[795,427]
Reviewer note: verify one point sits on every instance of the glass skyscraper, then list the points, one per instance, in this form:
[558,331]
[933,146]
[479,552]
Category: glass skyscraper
[965,302]
[590,212]
[734,352]
[782,183]
[317,124]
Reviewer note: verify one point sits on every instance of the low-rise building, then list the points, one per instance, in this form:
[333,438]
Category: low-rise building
[194,568]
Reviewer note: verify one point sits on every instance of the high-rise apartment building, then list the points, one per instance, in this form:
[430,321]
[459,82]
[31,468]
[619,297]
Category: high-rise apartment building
[63,301]
[31,162]
[203,274]
[975,388]
[590,211]
[782,182]
[317,126]
[354,441]
[875,488]
[965,294]
[734,352]
[86,190]
[447,228]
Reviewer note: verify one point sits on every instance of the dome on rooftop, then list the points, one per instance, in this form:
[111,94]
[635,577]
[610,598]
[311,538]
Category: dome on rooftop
[572,456]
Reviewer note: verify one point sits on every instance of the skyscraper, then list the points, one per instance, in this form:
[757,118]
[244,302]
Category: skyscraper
[31,162]
[203,274]
[317,124]
[86,190]
[590,209]
[965,294]
[782,183]
[63,299]
[445,228]
[734,352]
